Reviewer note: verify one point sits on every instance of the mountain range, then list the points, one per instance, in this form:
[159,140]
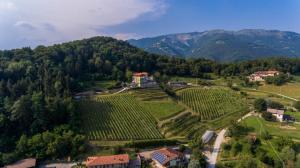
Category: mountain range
[223,45]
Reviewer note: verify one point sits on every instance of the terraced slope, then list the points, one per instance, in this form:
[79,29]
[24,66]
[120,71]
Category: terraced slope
[209,109]
[118,117]
[210,104]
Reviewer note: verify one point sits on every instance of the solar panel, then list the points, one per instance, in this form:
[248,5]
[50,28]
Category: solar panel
[159,157]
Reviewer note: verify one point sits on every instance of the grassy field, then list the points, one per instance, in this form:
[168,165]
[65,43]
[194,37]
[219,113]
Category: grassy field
[163,109]
[212,103]
[289,89]
[274,128]
[254,94]
[159,104]
[117,117]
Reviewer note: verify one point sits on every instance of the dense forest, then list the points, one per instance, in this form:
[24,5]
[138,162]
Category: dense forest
[38,117]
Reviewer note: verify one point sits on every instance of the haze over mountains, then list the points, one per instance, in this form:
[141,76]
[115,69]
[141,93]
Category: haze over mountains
[222,45]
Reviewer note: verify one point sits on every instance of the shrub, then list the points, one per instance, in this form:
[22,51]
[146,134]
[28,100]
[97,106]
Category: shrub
[268,116]
[276,105]
[260,105]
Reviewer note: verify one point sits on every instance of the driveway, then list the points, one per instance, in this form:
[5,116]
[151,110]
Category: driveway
[212,160]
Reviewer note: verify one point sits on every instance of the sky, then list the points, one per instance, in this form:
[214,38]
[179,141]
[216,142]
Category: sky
[30,23]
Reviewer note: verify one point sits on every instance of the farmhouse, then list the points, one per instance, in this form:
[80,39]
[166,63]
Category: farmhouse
[207,136]
[25,163]
[166,157]
[113,161]
[277,113]
[143,80]
[261,75]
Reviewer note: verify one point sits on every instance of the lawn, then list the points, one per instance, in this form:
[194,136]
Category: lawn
[274,128]
[163,109]
[289,89]
[254,94]
[105,84]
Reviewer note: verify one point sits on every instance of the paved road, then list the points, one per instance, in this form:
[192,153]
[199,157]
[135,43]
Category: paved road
[213,158]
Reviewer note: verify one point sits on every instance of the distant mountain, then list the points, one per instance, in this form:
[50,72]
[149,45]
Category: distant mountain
[222,45]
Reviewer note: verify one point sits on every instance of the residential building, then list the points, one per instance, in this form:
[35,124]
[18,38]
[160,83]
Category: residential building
[261,75]
[113,161]
[143,80]
[25,163]
[167,158]
[207,136]
[277,113]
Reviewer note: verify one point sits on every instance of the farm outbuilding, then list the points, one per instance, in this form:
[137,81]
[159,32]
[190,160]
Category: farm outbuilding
[207,136]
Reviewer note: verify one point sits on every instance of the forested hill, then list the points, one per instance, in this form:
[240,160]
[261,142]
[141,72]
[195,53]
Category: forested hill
[221,45]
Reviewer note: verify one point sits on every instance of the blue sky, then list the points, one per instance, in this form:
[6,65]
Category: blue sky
[34,22]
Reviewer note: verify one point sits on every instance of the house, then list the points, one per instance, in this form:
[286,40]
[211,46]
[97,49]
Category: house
[207,136]
[166,158]
[177,83]
[143,80]
[261,75]
[277,113]
[113,161]
[25,163]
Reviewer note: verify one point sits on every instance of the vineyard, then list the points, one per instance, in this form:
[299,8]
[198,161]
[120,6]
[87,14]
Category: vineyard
[117,117]
[210,104]
[210,109]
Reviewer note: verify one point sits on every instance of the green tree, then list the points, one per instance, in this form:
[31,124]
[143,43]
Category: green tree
[22,145]
[260,105]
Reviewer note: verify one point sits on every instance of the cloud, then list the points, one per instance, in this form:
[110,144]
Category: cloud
[7,5]
[61,20]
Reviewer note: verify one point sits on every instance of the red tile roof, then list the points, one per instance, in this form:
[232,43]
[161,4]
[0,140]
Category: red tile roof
[25,163]
[107,160]
[140,74]
[170,154]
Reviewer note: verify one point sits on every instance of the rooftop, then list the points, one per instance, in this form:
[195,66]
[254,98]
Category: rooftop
[140,74]
[207,136]
[275,111]
[165,155]
[107,160]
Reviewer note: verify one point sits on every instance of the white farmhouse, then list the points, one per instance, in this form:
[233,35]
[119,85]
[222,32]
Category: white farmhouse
[277,113]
